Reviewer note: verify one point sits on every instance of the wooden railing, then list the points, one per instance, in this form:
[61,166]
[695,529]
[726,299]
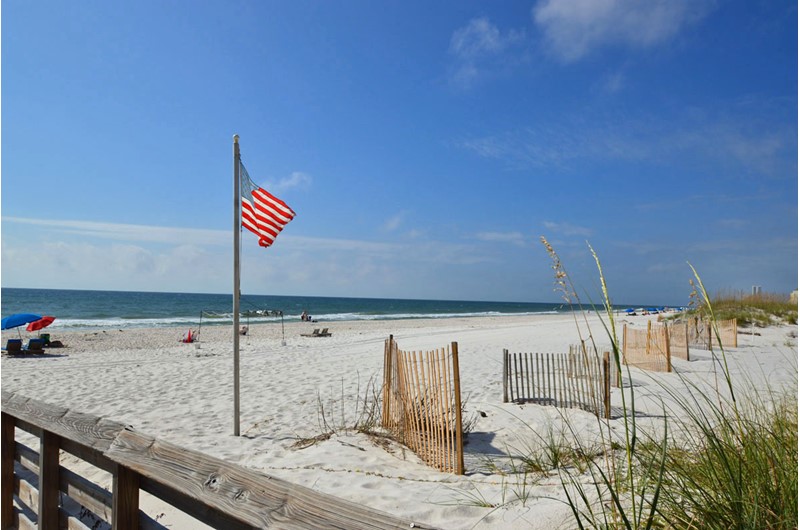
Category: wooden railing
[37,492]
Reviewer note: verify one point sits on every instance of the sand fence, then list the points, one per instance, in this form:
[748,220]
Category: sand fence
[578,379]
[655,348]
[422,403]
[701,333]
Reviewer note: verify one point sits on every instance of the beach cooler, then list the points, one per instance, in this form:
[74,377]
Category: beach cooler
[45,338]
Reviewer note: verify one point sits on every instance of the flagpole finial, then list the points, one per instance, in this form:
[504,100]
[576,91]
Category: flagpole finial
[236,138]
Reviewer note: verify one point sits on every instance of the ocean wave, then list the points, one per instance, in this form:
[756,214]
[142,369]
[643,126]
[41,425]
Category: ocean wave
[226,319]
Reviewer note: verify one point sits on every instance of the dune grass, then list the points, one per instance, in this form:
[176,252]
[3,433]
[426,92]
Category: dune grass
[759,310]
[721,460]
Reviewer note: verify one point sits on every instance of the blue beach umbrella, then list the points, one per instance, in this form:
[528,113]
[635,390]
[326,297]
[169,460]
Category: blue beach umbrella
[19,319]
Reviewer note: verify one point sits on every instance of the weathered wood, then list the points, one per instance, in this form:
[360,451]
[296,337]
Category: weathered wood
[85,429]
[232,493]
[21,520]
[505,375]
[457,396]
[226,495]
[48,481]
[7,444]
[125,514]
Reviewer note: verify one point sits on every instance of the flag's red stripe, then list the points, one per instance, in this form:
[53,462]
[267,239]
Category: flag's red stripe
[265,216]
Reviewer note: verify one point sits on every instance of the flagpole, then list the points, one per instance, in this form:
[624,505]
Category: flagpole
[237,200]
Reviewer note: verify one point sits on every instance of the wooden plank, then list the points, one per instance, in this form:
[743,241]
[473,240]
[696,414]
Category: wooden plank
[7,446]
[527,381]
[125,512]
[22,520]
[457,396]
[505,375]
[607,385]
[84,429]
[48,481]
[225,495]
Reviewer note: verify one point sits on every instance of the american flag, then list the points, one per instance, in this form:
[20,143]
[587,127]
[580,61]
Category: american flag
[262,213]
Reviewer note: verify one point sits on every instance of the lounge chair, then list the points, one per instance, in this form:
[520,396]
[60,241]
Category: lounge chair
[35,346]
[13,346]
[324,333]
[315,333]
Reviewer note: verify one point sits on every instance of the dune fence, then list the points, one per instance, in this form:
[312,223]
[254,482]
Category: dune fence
[578,379]
[648,349]
[38,492]
[702,336]
[422,403]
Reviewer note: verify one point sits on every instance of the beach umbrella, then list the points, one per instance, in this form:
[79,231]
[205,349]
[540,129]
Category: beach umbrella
[18,319]
[42,323]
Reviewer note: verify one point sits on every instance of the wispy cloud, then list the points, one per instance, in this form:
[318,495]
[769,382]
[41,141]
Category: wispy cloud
[128,232]
[515,238]
[394,222]
[476,46]
[297,180]
[752,137]
[574,28]
[567,229]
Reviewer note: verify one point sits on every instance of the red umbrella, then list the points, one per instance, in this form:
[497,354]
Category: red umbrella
[41,323]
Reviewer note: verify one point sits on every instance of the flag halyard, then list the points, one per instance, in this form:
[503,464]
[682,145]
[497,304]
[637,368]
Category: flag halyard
[262,213]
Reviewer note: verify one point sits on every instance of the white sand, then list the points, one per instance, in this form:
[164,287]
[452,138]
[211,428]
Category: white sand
[184,394]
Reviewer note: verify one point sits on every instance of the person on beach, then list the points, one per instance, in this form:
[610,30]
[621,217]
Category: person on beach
[304,316]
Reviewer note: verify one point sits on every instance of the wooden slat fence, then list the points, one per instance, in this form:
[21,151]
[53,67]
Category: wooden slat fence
[648,349]
[422,403]
[701,333]
[37,492]
[569,380]
[678,337]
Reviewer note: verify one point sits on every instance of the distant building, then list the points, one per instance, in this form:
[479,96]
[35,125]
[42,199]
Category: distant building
[756,290]
[793,297]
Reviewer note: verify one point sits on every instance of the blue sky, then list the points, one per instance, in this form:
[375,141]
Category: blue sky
[425,146]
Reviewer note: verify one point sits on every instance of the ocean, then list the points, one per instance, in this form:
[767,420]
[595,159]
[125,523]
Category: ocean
[80,310]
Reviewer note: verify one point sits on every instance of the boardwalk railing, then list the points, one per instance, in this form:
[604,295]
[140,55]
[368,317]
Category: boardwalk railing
[422,403]
[578,379]
[37,492]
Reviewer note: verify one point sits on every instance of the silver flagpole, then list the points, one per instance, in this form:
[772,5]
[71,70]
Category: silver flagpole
[237,201]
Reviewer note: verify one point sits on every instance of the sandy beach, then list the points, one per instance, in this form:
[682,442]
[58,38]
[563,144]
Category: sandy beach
[183,393]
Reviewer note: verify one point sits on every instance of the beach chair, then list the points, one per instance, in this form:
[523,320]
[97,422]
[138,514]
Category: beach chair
[13,346]
[35,346]
[315,333]
[324,333]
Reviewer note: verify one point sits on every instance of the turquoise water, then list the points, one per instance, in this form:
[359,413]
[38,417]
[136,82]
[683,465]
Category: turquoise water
[102,309]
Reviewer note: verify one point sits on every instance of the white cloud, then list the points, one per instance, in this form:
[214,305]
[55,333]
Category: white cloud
[574,28]
[477,47]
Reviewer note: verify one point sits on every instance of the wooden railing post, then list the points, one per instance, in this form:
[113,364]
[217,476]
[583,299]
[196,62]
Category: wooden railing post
[7,442]
[48,481]
[125,511]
